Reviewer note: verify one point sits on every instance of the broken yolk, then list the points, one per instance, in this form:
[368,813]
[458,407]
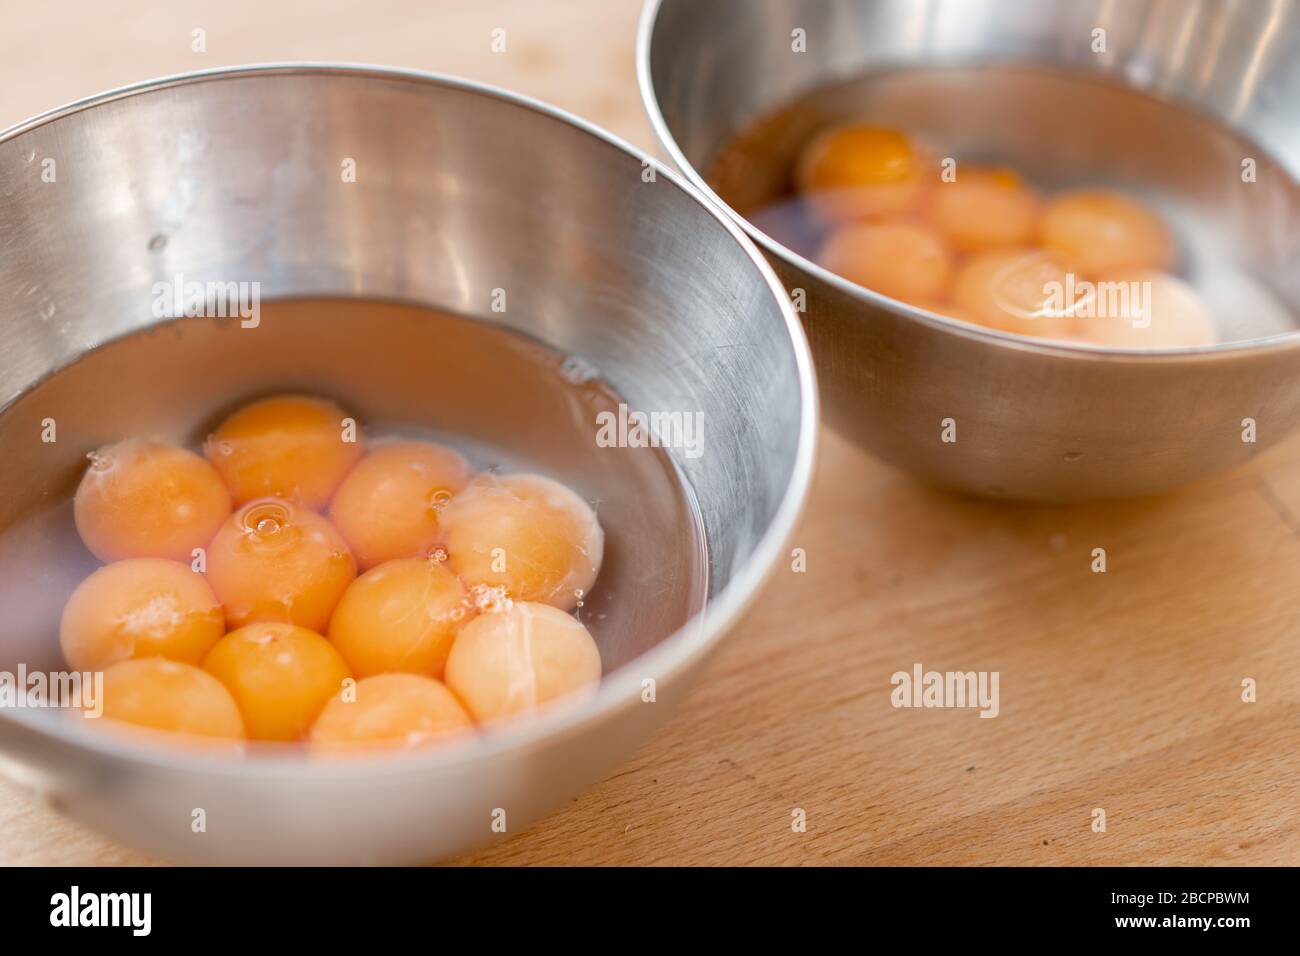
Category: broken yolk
[388,505]
[294,447]
[527,534]
[145,499]
[509,661]
[902,260]
[275,561]
[1019,290]
[1100,231]
[280,675]
[1147,309]
[400,616]
[168,695]
[861,172]
[985,208]
[140,607]
[389,710]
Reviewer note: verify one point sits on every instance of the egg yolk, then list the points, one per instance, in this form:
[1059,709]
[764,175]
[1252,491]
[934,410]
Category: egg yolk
[400,616]
[388,505]
[390,710]
[1100,230]
[168,695]
[861,172]
[527,534]
[146,499]
[280,675]
[1019,290]
[294,447]
[985,208]
[902,260]
[275,561]
[140,607]
[510,661]
[1146,309]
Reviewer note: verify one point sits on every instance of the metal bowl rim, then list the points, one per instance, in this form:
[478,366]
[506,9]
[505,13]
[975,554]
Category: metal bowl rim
[1080,351]
[618,689]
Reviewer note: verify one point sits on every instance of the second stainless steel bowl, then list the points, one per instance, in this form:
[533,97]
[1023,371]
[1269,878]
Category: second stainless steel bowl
[1176,87]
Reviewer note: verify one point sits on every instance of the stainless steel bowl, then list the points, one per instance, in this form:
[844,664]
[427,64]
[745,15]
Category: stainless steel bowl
[1183,91]
[235,175]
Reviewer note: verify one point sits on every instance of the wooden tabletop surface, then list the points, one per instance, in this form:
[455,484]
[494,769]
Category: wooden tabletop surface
[1120,691]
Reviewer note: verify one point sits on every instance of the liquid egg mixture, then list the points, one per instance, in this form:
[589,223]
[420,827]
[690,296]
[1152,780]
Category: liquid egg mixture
[906,214]
[304,574]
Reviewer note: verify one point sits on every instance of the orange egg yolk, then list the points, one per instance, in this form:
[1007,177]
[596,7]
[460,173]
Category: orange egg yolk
[1146,309]
[527,534]
[985,208]
[294,447]
[140,607]
[902,260]
[510,661]
[1025,291]
[861,172]
[280,675]
[390,710]
[168,695]
[400,616]
[388,505]
[1100,231]
[275,561]
[146,499]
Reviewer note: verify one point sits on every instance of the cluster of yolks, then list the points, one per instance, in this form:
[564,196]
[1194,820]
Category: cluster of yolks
[267,632]
[1088,265]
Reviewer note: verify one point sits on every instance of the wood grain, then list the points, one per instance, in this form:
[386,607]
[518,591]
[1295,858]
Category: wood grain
[1119,691]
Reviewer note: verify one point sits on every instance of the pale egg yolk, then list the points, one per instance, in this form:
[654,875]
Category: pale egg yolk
[294,447]
[275,561]
[1100,230]
[527,534]
[861,172]
[400,616]
[168,695]
[388,505]
[902,260]
[985,208]
[510,661]
[1147,309]
[140,607]
[146,499]
[280,675]
[1025,291]
[390,710]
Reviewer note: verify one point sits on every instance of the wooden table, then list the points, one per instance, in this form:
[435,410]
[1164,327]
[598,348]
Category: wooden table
[1120,691]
